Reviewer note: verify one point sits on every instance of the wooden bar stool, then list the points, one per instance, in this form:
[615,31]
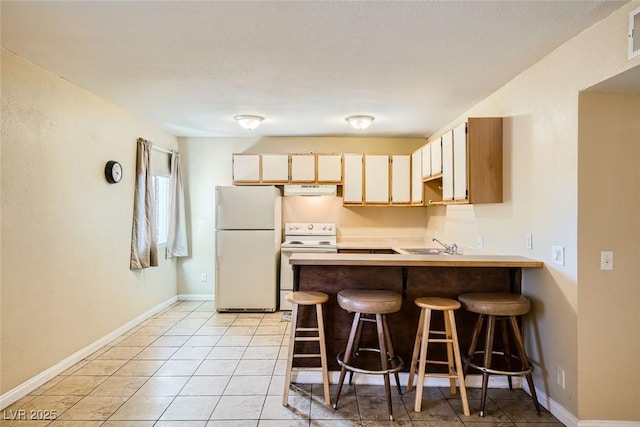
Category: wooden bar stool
[503,307]
[369,306]
[307,298]
[450,338]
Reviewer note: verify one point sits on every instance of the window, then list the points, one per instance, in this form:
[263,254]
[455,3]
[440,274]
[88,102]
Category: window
[161,186]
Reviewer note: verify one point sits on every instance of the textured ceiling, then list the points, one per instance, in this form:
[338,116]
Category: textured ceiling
[191,66]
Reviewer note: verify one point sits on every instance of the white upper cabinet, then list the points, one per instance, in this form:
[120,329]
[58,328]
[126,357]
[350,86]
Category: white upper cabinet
[460,162]
[425,152]
[329,168]
[352,179]
[436,156]
[416,178]
[246,168]
[376,178]
[401,179]
[275,168]
[447,166]
[303,168]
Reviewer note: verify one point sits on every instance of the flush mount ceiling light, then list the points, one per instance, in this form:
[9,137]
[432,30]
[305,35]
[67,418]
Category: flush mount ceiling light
[249,122]
[360,122]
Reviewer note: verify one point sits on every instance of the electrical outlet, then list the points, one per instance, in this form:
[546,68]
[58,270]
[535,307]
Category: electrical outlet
[560,376]
[529,241]
[480,242]
[557,255]
[606,260]
[203,277]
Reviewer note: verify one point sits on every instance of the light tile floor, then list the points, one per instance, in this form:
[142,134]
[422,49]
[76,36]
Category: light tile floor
[189,366]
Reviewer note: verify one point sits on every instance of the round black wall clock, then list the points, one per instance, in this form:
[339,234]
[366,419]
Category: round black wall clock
[113,172]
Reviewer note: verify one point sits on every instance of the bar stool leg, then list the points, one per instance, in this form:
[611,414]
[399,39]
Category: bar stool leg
[292,341]
[356,342]
[525,360]
[414,357]
[506,350]
[474,341]
[348,355]
[384,359]
[448,336]
[422,363]
[459,369]
[391,351]
[323,355]
[488,353]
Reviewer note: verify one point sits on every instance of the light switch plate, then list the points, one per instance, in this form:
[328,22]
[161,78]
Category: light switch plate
[606,260]
[529,241]
[557,255]
[480,242]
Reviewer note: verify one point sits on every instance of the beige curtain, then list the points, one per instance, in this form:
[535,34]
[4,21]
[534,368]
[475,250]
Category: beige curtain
[177,238]
[144,247]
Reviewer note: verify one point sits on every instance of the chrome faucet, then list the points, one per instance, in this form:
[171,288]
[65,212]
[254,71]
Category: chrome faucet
[450,249]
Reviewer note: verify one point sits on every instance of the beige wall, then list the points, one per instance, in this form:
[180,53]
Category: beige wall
[208,163]
[608,220]
[540,107]
[66,233]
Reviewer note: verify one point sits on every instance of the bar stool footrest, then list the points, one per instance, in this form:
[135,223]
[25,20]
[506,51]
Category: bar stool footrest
[396,363]
[477,362]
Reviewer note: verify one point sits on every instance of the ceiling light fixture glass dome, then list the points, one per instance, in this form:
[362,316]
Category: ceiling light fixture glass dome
[249,122]
[360,122]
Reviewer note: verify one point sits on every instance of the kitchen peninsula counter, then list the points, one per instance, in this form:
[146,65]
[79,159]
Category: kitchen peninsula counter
[412,276]
[399,260]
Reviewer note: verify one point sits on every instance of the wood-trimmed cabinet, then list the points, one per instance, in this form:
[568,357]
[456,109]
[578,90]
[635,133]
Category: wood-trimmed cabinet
[280,168]
[376,179]
[471,164]
[264,168]
[352,179]
[329,168]
[417,192]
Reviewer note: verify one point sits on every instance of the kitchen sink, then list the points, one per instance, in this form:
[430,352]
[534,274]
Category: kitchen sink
[424,251]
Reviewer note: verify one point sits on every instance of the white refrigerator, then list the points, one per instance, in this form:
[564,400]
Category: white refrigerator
[248,239]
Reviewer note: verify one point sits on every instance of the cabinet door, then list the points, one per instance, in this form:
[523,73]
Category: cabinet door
[376,178]
[436,156]
[352,185]
[275,168]
[447,166]
[329,168]
[460,162]
[303,168]
[416,177]
[426,161]
[246,168]
[401,179]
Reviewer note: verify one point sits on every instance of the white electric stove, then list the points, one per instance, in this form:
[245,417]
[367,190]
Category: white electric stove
[318,237]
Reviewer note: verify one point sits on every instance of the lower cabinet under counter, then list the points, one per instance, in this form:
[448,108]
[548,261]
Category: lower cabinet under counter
[409,281]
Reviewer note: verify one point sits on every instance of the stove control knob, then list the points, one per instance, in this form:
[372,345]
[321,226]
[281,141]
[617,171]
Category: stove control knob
[290,227]
[310,226]
[330,228]
[297,226]
[324,227]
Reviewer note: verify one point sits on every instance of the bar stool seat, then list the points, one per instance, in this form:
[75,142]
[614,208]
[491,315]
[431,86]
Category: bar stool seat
[426,335]
[504,307]
[370,306]
[307,334]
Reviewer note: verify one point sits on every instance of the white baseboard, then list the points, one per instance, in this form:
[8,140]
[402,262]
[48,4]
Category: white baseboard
[195,297]
[599,423]
[33,383]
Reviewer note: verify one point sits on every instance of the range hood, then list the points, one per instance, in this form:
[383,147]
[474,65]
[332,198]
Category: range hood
[310,190]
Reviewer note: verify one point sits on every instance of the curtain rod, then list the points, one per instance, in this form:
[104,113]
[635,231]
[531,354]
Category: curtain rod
[163,150]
